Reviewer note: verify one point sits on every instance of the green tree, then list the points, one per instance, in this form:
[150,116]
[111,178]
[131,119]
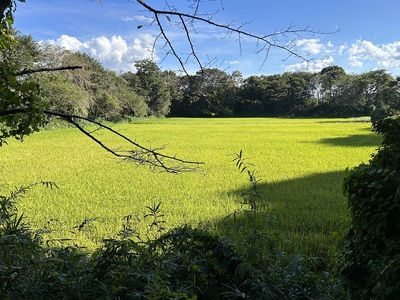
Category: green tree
[131,104]
[110,96]
[60,94]
[265,95]
[380,88]
[329,77]
[277,93]
[300,91]
[350,95]
[210,92]
[27,53]
[151,84]
[252,96]
[100,93]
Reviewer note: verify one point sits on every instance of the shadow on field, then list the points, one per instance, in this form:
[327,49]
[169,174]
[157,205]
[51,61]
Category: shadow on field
[303,215]
[355,140]
[366,129]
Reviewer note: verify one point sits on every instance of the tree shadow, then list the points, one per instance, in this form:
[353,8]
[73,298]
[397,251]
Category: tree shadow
[354,140]
[305,215]
[366,129]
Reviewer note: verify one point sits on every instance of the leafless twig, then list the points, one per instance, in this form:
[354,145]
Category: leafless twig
[284,40]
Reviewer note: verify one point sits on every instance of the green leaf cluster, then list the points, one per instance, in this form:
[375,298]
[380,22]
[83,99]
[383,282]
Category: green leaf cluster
[151,84]
[17,95]
[370,260]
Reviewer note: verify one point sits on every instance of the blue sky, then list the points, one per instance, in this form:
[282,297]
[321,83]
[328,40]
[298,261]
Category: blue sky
[360,35]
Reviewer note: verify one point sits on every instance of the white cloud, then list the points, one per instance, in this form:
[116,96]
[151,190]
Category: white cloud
[342,49]
[385,55]
[128,19]
[143,19]
[114,53]
[311,66]
[310,46]
[362,54]
[67,42]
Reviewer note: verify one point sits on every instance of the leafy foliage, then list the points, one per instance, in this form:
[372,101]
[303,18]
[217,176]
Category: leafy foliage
[370,260]
[182,263]
[19,246]
[209,92]
[16,94]
[91,91]
[252,204]
[149,82]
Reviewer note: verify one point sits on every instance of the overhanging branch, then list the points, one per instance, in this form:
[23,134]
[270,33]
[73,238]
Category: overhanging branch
[31,71]
[137,154]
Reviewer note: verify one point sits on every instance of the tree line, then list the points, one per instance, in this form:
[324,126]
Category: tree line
[98,93]
[329,93]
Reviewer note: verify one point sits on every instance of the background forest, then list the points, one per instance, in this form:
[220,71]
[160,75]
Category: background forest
[98,93]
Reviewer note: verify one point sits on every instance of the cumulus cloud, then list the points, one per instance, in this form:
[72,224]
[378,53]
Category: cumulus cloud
[311,66]
[310,46]
[386,55]
[360,54]
[115,53]
[342,49]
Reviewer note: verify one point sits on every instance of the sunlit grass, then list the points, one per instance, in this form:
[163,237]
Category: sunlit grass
[300,163]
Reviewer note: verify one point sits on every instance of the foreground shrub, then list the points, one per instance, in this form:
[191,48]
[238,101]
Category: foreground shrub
[370,261]
[19,246]
[303,277]
[182,263]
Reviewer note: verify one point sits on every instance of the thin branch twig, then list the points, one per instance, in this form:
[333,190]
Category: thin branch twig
[264,42]
[138,154]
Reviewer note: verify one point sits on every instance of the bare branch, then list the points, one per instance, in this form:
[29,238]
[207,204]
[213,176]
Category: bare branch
[162,33]
[31,71]
[279,39]
[190,41]
[138,154]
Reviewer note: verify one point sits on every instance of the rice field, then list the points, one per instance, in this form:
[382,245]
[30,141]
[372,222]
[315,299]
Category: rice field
[300,164]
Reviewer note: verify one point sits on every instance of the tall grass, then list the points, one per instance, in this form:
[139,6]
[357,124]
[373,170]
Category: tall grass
[300,163]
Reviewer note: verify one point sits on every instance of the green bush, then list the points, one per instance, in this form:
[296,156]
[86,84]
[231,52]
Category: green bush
[378,114]
[302,277]
[370,261]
